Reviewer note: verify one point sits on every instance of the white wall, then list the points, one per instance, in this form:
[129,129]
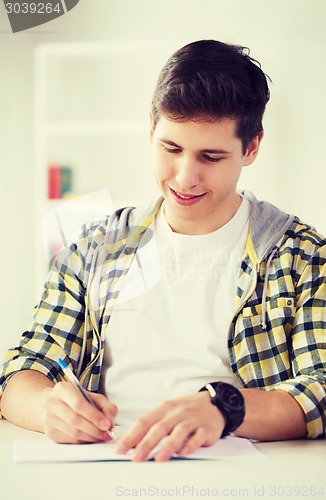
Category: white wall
[287,36]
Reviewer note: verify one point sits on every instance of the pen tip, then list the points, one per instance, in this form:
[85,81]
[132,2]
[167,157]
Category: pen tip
[112,434]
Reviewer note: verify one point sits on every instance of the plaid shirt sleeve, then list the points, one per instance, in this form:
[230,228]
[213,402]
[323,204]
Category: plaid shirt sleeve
[63,326]
[308,344]
[58,320]
[285,347]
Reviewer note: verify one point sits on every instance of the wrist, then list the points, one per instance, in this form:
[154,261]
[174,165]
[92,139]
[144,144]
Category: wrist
[229,401]
[218,415]
[45,395]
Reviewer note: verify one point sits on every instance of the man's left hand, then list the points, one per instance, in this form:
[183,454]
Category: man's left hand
[187,423]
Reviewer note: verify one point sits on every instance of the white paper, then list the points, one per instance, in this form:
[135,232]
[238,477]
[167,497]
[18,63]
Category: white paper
[44,450]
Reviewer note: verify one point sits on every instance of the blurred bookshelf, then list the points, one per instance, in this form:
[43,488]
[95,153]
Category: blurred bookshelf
[91,116]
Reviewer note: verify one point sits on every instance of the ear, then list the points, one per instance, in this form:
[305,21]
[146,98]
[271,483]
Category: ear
[252,149]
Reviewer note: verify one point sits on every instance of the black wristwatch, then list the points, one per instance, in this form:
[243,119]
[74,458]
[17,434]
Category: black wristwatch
[229,400]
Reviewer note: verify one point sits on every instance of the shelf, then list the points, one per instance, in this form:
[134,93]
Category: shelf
[91,113]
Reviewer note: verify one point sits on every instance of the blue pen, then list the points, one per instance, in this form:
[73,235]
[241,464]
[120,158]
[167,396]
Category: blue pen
[74,380]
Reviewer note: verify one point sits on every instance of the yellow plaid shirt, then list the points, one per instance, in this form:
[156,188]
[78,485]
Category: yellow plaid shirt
[277,338]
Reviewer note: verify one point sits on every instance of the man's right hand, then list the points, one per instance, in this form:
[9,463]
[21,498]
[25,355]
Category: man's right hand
[31,400]
[69,418]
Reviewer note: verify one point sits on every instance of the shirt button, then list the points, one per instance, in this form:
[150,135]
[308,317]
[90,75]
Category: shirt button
[289,302]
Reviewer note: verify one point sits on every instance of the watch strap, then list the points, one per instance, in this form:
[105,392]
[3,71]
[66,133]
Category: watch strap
[229,400]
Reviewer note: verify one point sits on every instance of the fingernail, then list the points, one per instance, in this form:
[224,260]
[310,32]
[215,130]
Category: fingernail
[104,425]
[121,448]
[184,451]
[162,456]
[138,456]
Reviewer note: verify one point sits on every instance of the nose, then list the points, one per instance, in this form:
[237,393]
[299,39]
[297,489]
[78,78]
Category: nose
[187,174]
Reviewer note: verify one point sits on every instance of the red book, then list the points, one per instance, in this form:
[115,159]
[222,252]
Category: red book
[54,184]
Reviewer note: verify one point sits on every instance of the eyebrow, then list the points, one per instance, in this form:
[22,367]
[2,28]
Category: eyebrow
[210,151]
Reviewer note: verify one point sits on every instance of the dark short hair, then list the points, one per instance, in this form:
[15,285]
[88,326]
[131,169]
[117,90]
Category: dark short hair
[211,80]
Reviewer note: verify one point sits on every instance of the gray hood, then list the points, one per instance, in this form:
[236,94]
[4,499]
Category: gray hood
[268,225]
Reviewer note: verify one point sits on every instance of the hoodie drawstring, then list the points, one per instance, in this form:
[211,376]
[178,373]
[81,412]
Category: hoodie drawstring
[264,304]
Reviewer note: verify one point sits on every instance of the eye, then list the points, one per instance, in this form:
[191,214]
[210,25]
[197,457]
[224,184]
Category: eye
[171,149]
[212,159]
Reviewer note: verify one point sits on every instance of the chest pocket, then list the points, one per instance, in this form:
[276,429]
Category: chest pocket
[261,355]
[279,314]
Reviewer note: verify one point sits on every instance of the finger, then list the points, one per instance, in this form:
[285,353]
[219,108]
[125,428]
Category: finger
[184,432]
[184,440]
[105,406]
[108,409]
[81,417]
[154,425]
[177,440]
[174,424]
[65,426]
[57,433]
[139,429]
[60,432]
[135,434]
[196,440]
[67,393]
[151,439]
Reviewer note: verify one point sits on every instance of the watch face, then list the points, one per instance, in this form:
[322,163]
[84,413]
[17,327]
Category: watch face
[230,395]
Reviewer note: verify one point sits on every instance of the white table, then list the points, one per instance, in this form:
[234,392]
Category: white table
[293,469]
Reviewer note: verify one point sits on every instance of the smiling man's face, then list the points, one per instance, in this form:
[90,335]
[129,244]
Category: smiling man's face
[197,165]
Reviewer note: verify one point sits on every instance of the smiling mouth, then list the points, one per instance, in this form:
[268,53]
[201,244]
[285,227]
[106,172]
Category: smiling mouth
[186,198]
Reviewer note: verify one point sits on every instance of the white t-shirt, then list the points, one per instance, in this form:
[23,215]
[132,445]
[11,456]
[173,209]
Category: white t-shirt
[167,336]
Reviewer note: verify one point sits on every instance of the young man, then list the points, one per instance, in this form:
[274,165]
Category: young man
[230,337]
